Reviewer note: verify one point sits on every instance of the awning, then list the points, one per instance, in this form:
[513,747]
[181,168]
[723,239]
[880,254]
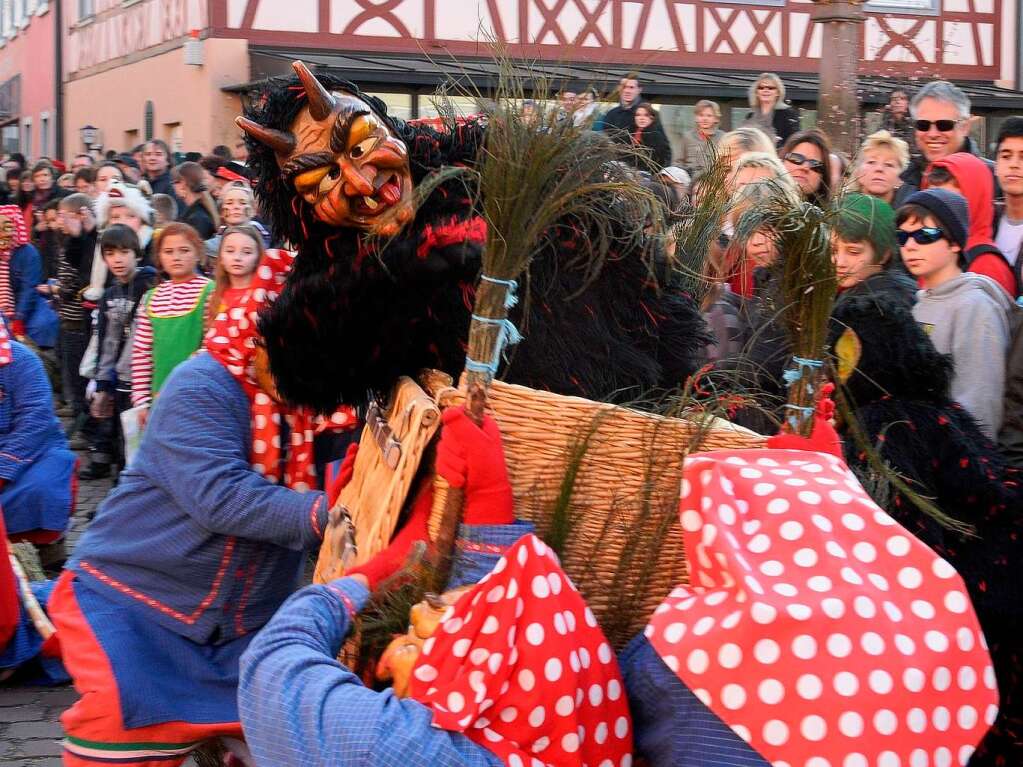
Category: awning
[425,72]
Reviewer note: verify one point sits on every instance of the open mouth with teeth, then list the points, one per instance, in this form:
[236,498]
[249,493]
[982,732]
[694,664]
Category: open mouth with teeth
[387,192]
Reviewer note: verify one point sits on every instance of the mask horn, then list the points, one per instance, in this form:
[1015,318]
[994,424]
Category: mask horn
[321,103]
[282,143]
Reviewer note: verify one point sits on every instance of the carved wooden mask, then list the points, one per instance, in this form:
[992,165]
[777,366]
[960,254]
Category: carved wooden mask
[343,159]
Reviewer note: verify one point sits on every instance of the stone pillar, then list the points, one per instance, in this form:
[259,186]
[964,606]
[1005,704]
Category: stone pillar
[838,107]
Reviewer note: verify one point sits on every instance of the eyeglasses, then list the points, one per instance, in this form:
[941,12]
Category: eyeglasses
[923,236]
[799,159]
[943,125]
[766,88]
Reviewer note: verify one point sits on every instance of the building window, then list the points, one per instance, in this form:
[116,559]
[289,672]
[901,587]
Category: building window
[9,137]
[86,10]
[148,121]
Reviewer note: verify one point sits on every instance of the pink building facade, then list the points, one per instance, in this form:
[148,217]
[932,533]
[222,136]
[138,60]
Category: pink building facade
[148,69]
[178,69]
[29,116]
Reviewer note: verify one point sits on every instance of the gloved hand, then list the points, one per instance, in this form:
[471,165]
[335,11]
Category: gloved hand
[823,438]
[343,476]
[472,457]
[389,561]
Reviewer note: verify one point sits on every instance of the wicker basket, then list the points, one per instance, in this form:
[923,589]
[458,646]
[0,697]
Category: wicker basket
[625,549]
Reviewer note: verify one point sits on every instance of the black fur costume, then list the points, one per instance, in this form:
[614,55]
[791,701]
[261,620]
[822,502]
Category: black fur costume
[899,400]
[356,314]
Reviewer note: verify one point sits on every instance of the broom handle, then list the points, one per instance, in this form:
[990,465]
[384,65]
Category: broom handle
[484,335]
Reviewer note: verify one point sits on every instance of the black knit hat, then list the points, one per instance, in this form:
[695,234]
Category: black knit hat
[950,208]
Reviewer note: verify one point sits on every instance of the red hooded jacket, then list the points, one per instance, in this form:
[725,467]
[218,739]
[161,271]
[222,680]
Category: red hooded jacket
[977,186]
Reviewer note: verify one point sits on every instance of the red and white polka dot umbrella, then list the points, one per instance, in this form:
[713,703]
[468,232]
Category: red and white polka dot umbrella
[822,632]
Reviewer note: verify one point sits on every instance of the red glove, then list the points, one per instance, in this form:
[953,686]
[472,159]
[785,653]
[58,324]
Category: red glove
[389,561]
[823,438]
[472,457]
[344,474]
[17,329]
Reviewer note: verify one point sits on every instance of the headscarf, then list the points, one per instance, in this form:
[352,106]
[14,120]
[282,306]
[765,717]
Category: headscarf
[520,667]
[19,238]
[815,626]
[232,341]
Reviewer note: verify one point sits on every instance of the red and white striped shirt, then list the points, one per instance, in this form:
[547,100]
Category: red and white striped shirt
[6,291]
[168,299]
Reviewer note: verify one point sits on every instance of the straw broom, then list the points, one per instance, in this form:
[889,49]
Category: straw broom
[807,292]
[535,171]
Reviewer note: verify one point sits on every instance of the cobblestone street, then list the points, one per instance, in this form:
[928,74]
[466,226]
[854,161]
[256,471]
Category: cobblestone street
[30,731]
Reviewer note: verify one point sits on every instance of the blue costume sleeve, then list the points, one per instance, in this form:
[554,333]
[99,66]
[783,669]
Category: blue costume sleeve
[299,707]
[26,404]
[672,726]
[196,449]
[28,274]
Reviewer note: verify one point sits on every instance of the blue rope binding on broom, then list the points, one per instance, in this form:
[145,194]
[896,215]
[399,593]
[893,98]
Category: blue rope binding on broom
[507,335]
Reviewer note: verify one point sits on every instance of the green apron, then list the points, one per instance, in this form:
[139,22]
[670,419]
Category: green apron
[176,338]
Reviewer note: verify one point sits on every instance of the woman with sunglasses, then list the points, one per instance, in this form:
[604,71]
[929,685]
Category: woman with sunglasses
[769,111]
[807,159]
[966,315]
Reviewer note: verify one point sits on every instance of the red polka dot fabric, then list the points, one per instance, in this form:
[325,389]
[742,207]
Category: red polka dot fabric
[232,340]
[520,666]
[822,632]
[6,352]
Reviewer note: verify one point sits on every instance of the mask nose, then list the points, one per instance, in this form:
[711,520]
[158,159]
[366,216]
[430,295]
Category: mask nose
[355,182]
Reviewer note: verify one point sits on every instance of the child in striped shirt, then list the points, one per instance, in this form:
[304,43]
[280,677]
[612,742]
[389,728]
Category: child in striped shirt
[169,323]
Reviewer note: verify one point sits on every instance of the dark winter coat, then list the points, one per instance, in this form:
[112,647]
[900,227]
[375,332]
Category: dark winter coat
[653,142]
[784,121]
[620,122]
[197,217]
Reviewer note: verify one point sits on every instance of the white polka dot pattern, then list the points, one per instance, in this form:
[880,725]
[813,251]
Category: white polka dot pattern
[231,339]
[531,677]
[815,626]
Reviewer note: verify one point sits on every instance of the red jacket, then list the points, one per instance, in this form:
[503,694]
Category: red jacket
[977,186]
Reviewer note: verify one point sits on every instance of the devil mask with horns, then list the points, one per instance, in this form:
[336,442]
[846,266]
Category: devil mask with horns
[383,285]
[343,159]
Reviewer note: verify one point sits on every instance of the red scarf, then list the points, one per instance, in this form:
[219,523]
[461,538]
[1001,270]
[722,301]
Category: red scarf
[232,341]
[520,667]
[815,626]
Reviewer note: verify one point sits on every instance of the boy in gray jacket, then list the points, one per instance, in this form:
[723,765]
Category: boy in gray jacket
[965,314]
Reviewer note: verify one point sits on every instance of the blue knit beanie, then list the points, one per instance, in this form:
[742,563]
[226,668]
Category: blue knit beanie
[950,208]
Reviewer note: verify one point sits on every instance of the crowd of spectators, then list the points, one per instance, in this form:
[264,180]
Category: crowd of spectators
[112,269]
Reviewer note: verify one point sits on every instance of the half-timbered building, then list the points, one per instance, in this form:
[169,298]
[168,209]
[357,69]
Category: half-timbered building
[683,50]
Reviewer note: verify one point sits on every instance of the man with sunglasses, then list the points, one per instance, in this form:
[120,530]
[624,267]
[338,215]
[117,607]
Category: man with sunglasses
[966,315]
[941,119]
